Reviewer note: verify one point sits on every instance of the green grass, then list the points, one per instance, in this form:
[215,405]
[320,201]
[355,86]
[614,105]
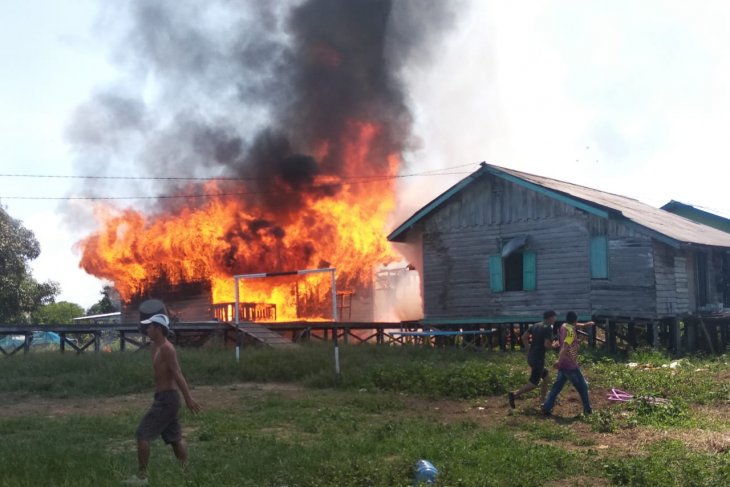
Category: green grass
[441,372]
[694,379]
[548,431]
[669,463]
[331,438]
[362,431]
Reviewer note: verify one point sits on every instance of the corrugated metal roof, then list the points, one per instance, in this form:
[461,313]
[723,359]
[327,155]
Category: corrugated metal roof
[656,221]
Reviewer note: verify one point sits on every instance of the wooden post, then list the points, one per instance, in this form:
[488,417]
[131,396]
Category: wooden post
[122,341]
[592,336]
[345,332]
[63,342]
[523,328]
[97,341]
[26,343]
[676,337]
[651,333]
[502,344]
[611,335]
[631,333]
[710,343]
[690,330]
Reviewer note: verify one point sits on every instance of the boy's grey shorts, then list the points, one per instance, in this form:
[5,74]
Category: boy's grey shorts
[161,418]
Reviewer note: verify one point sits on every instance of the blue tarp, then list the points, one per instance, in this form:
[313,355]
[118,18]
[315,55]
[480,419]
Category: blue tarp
[39,338]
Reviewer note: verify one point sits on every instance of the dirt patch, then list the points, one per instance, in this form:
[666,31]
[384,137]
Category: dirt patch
[494,411]
[215,397]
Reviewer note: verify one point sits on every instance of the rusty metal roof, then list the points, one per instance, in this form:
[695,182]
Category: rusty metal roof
[667,227]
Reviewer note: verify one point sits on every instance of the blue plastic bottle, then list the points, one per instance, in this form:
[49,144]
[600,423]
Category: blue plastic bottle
[425,473]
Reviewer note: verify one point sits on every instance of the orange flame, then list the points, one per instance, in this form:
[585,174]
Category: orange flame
[225,235]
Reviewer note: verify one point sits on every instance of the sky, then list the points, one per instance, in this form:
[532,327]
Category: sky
[623,96]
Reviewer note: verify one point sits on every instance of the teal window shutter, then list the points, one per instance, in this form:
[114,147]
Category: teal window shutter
[495,273]
[599,258]
[529,271]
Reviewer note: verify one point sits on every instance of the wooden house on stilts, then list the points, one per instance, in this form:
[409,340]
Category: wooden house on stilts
[502,246]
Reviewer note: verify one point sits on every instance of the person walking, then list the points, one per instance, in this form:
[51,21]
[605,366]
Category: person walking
[542,339]
[162,417]
[567,364]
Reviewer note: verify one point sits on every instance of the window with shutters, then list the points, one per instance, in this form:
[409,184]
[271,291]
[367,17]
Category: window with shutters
[515,272]
[599,257]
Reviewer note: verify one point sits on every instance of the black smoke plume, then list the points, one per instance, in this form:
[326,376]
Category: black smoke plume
[247,89]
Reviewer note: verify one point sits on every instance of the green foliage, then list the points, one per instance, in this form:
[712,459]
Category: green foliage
[20,294]
[670,413]
[548,430]
[603,421]
[105,304]
[466,380]
[670,463]
[693,378]
[61,313]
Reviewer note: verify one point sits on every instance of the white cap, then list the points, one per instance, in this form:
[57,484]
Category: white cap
[158,319]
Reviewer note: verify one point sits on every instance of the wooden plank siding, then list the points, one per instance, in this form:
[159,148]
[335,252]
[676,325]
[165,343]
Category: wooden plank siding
[630,289]
[645,277]
[460,237]
[666,283]
[684,277]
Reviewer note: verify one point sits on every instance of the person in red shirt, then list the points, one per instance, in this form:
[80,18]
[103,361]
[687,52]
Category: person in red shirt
[567,364]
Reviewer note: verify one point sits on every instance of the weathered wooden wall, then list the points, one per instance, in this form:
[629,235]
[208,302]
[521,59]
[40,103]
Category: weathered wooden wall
[646,279]
[189,309]
[670,298]
[459,238]
[630,289]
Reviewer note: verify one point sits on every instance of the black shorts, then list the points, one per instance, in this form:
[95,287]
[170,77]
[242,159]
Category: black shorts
[161,418]
[537,371]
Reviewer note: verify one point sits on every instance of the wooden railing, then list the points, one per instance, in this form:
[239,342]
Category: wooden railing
[693,334]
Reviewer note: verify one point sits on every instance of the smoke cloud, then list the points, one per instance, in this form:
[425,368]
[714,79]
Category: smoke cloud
[251,90]
[284,102]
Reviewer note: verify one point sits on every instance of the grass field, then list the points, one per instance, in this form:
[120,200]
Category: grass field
[279,419]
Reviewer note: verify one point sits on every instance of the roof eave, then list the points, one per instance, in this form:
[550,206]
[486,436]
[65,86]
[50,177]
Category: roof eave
[398,235]
[556,195]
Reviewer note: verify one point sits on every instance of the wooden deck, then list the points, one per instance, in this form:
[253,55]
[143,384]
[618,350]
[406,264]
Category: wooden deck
[678,335]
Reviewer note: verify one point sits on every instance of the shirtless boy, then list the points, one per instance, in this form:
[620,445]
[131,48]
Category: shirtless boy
[161,419]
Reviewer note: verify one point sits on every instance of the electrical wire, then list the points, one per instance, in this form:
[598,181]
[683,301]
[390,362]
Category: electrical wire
[222,178]
[358,180]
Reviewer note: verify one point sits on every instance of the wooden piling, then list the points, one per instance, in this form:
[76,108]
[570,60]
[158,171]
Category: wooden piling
[631,333]
[676,337]
[651,333]
[611,335]
[690,330]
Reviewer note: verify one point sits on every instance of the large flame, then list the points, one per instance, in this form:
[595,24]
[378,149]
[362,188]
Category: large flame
[226,235]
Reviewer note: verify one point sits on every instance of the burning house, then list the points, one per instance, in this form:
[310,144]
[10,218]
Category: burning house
[271,140]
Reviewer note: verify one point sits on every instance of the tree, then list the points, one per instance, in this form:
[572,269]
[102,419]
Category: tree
[106,303]
[20,293]
[60,313]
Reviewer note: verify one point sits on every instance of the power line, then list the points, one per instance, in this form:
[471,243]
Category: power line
[370,179]
[221,178]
